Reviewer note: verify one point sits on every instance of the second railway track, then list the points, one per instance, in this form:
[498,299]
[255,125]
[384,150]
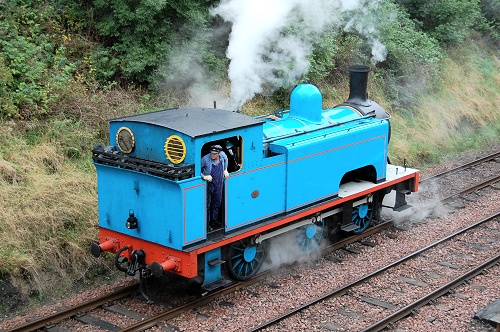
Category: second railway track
[393,282]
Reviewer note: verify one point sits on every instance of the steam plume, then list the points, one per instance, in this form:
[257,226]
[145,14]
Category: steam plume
[270,41]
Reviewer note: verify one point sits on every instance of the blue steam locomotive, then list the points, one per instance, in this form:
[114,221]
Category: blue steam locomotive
[305,169]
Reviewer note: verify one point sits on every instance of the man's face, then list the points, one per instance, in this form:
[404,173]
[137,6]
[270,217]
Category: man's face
[214,155]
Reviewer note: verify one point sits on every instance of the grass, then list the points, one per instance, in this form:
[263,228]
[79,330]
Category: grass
[464,114]
[48,216]
[48,194]
[48,183]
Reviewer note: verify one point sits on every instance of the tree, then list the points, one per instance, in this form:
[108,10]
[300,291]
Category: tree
[138,34]
[446,20]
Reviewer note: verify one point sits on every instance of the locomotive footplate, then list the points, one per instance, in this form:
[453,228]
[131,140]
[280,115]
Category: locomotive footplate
[395,176]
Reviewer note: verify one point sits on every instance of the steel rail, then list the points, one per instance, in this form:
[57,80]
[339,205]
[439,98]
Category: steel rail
[471,189]
[65,314]
[481,185]
[122,292]
[342,290]
[409,309]
[462,167]
[155,320]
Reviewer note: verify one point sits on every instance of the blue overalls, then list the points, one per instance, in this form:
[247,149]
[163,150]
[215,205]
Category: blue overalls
[215,188]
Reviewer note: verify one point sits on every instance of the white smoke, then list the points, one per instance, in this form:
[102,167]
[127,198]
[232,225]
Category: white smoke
[271,40]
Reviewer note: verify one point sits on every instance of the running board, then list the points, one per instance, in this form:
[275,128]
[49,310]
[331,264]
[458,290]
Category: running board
[307,221]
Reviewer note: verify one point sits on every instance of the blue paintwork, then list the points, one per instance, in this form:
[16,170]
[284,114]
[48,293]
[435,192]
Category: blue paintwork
[288,163]
[317,161]
[194,212]
[266,177]
[361,216]
[150,141]
[306,103]
[156,203]
[363,210]
[212,273]
[309,237]
[249,253]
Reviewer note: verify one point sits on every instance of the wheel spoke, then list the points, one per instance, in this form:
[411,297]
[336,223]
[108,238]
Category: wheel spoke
[309,237]
[362,222]
[244,259]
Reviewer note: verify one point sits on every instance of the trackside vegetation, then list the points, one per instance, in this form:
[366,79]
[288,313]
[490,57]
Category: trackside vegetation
[66,66]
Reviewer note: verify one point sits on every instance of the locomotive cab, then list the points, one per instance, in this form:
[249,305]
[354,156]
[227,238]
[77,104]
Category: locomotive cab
[232,147]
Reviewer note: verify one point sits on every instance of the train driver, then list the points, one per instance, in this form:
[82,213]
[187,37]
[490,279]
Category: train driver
[214,171]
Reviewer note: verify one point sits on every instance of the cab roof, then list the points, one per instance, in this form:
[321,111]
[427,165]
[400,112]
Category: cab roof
[193,122]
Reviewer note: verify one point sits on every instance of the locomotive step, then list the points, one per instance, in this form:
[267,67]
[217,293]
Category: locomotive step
[216,262]
[402,207]
[349,227]
[216,284]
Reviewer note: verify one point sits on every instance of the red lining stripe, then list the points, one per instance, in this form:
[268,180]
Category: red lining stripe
[306,212]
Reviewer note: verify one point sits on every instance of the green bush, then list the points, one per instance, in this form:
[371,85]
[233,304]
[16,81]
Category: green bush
[491,11]
[322,59]
[413,57]
[7,106]
[103,65]
[34,61]
[446,20]
[139,34]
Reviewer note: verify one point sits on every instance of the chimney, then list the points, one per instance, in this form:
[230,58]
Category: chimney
[358,79]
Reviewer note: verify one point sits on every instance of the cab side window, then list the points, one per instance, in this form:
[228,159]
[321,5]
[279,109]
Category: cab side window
[232,147]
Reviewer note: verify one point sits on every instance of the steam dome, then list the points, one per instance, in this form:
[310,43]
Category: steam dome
[306,103]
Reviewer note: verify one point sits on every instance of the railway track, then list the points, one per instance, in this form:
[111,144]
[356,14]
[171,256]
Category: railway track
[48,321]
[461,180]
[141,322]
[398,313]
[153,321]
[491,157]
[52,322]
[467,188]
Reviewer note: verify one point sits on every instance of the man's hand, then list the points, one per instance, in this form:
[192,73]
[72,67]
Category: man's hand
[207,178]
[226,174]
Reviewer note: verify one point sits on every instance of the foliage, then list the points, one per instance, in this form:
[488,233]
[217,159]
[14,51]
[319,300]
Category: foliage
[103,64]
[491,12]
[463,114]
[35,57]
[413,57]
[322,59]
[409,64]
[53,110]
[446,20]
[140,34]
[197,62]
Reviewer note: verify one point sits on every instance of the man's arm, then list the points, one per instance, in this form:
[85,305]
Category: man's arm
[204,168]
[225,162]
